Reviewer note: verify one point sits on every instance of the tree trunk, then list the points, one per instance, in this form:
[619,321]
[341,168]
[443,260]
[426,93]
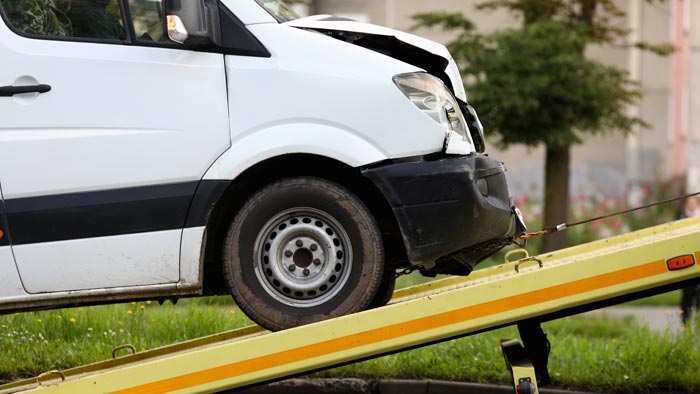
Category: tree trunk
[556,196]
[556,185]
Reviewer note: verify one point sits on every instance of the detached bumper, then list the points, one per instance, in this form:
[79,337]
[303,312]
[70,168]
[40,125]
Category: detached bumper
[453,212]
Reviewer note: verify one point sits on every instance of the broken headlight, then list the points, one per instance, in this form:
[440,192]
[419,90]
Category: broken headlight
[430,95]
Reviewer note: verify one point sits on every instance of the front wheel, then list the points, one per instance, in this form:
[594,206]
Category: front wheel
[302,250]
[386,289]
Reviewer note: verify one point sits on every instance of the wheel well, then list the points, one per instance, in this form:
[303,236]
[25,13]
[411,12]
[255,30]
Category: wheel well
[287,166]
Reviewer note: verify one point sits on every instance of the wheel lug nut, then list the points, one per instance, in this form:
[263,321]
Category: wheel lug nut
[306,272]
[292,267]
[299,243]
[288,253]
[317,261]
[313,247]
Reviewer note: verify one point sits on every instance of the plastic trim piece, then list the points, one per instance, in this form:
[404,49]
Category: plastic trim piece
[111,212]
[9,91]
[237,39]
[207,194]
[421,192]
[5,240]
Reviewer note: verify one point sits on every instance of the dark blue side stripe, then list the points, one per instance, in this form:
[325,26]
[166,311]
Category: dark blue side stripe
[110,212]
[5,240]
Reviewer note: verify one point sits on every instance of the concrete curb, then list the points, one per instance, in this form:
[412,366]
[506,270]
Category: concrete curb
[388,386]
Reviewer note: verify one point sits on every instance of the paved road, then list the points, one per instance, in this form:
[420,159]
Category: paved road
[658,319]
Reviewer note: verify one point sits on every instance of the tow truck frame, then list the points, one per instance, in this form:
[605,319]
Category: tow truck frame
[530,290]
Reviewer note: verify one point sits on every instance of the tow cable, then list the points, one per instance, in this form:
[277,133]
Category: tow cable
[560,227]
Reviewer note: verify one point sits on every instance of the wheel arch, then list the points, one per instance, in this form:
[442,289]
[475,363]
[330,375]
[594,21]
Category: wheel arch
[286,166]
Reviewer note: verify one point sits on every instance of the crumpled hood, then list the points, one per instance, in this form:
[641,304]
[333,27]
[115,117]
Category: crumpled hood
[429,55]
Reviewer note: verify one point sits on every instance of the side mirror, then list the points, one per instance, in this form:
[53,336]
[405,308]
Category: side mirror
[193,22]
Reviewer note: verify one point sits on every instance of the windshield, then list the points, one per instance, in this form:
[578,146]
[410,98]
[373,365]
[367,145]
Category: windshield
[279,9]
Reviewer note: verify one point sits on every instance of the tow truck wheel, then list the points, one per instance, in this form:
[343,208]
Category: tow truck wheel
[302,250]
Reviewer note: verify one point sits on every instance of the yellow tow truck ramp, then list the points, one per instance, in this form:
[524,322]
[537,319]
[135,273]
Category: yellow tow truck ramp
[533,288]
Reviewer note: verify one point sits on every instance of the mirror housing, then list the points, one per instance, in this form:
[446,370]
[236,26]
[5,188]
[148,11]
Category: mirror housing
[194,23]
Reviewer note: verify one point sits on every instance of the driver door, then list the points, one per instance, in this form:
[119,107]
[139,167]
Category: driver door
[105,134]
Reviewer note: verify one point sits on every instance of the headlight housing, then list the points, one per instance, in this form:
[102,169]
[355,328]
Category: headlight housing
[476,129]
[430,95]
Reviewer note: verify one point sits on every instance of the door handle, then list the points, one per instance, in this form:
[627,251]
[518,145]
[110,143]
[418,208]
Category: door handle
[9,91]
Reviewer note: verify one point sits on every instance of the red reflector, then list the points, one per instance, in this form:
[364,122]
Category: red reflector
[1,234]
[680,262]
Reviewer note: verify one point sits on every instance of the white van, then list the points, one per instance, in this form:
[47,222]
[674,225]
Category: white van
[157,150]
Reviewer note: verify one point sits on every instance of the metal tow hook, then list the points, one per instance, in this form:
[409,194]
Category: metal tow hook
[544,231]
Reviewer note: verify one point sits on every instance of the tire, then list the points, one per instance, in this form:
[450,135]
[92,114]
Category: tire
[301,250]
[385,291]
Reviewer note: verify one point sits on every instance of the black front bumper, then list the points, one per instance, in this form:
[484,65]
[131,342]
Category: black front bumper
[453,212]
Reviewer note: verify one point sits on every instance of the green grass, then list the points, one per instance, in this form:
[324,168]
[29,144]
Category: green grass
[593,354]
[34,342]
[671,299]
[415,279]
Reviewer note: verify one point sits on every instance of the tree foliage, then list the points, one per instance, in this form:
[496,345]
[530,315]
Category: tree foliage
[601,21]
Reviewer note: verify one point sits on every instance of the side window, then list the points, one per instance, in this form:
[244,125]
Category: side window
[148,21]
[41,17]
[98,19]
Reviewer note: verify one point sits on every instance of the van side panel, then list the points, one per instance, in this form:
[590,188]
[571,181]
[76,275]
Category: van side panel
[10,284]
[124,259]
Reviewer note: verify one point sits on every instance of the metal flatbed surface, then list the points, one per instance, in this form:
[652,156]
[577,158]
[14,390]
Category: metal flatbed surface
[454,307]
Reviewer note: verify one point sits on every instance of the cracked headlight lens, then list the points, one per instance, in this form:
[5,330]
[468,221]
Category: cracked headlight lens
[431,96]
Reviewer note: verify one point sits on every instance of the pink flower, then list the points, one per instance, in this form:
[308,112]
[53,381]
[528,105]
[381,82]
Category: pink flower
[616,224]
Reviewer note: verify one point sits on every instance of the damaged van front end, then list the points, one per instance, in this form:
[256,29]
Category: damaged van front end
[453,212]
[453,208]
